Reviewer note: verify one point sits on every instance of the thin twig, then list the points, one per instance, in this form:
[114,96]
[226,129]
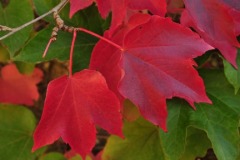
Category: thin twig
[55,9]
[5,28]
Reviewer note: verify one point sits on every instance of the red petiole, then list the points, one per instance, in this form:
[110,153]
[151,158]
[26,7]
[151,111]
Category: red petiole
[71,52]
[73,42]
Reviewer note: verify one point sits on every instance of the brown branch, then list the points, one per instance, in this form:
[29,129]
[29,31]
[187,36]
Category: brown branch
[5,28]
[14,30]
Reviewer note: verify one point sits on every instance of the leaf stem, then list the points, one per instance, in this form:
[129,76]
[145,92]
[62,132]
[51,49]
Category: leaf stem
[71,53]
[100,37]
[46,49]
[55,9]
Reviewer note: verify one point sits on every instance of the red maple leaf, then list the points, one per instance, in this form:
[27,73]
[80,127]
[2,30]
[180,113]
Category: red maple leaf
[119,8]
[16,88]
[232,3]
[214,22]
[105,58]
[156,64]
[73,106]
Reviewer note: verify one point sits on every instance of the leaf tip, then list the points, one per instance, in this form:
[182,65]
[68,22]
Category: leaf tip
[121,135]
[34,148]
[164,127]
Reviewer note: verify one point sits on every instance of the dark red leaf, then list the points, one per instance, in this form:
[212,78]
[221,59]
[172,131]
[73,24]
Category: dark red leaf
[232,3]
[214,22]
[16,88]
[156,64]
[73,106]
[105,57]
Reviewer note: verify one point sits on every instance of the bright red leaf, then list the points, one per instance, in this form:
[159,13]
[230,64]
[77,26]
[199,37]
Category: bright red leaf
[16,88]
[77,5]
[156,64]
[214,21]
[73,106]
[119,8]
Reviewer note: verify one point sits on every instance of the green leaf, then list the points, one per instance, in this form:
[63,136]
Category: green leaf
[197,144]
[60,49]
[220,120]
[15,14]
[78,157]
[25,68]
[4,54]
[16,128]
[52,156]
[130,111]
[214,125]
[173,141]
[142,142]
[218,87]
[43,6]
[232,74]
[88,18]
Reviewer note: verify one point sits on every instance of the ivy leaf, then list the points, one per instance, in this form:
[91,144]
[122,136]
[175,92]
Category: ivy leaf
[72,155]
[130,111]
[16,127]
[14,15]
[232,74]
[53,155]
[195,148]
[119,8]
[142,141]
[89,18]
[215,23]
[174,140]
[217,124]
[73,106]
[32,52]
[84,18]
[4,56]
[17,88]
[220,120]
[145,141]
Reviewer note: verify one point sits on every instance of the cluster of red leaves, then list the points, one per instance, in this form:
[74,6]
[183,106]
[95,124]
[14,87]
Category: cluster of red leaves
[155,63]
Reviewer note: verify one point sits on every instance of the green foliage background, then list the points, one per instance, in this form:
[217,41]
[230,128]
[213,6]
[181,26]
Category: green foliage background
[190,133]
